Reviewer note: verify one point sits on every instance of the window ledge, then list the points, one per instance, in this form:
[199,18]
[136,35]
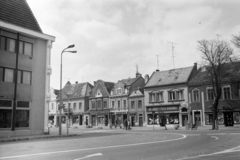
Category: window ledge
[177,100]
[157,102]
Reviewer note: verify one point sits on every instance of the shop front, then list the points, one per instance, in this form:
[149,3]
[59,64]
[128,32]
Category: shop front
[158,115]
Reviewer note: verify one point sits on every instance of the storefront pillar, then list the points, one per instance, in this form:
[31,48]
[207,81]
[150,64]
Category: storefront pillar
[180,118]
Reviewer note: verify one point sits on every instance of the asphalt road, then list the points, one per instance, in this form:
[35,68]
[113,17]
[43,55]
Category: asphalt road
[130,145]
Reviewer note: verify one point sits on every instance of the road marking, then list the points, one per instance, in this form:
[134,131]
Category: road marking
[99,131]
[216,138]
[215,134]
[211,154]
[88,149]
[88,156]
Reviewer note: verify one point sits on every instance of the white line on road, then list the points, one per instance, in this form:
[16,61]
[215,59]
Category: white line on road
[215,134]
[216,138]
[87,149]
[88,156]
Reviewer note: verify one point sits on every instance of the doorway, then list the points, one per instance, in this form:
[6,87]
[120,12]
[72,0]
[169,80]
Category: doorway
[80,120]
[133,121]
[184,120]
[197,118]
[140,120]
[228,118]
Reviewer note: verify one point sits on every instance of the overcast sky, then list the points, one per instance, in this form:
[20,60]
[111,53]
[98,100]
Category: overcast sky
[112,36]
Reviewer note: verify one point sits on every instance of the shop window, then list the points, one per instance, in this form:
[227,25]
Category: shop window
[160,96]
[152,119]
[195,95]
[139,104]
[80,105]
[209,118]
[5,113]
[22,114]
[236,117]
[210,95]
[226,92]
[9,74]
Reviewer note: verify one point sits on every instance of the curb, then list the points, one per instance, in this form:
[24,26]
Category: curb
[14,139]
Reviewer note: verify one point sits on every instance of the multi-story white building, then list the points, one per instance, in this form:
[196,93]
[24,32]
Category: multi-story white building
[24,71]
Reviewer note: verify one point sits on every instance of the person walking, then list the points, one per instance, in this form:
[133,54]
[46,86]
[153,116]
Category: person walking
[128,125]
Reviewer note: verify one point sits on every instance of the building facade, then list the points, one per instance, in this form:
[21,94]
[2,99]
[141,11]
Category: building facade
[166,96]
[137,108]
[202,97]
[99,109]
[75,98]
[24,71]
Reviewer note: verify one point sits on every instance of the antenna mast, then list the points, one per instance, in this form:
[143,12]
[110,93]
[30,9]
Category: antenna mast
[173,51]
[157,62]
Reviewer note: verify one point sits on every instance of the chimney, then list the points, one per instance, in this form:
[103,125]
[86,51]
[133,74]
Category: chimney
[76,82]
[195,65]
[146,78]
[94,82]
[157,70]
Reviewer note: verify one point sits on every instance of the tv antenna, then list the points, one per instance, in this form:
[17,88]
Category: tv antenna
[157,62]
[136,67]
[218,36]
[173,51]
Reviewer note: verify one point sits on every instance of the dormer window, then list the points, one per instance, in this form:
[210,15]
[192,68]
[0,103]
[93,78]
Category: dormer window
[119,91]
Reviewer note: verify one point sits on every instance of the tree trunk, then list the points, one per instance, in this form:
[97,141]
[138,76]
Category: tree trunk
[214,117]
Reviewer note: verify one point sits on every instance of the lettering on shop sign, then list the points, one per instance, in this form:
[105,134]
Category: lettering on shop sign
[172,108]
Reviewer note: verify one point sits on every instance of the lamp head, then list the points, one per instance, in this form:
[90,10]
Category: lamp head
[71,46]
[72,51]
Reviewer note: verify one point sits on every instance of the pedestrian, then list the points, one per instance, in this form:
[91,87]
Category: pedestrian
[128,125]
[125,124]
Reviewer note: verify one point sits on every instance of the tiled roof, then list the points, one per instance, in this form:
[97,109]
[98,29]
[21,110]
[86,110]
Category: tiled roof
[129,81]
[202,76]
[104,87]
[174,76]
[78,90]
[18,12]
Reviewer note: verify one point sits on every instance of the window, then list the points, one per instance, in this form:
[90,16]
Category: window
[5,113]
[195,95]
[69,105]
[99,104]
[132,105]
[24,77]
[80,105]
[139,103]
[119,91]
[74,106]
[93,105]
[52,106]
[125,104]
[152,97]
[112,104]
[226,92]
[160,96]
[179,95]
[105,104]
[1,74]
[8,77]
[172,96]
[25,48]
[22,114]
[119,105]
[8,44]
[210,95]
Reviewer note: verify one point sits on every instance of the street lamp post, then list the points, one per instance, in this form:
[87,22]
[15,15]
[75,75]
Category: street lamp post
[61,105]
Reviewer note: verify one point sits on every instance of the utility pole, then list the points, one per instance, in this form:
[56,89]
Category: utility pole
[173,51]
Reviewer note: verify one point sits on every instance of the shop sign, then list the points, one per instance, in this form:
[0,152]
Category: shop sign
[170,108]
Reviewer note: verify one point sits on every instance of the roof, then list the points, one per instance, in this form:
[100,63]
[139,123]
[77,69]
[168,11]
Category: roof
[77,90]
[137,92]
[202,76]
[104,87]
[129,81]
[19,13]
[174,76]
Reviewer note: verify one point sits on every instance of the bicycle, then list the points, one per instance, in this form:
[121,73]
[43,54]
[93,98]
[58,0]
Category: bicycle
[190,125]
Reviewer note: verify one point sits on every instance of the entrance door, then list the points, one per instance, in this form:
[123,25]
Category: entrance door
[228,116]
[197,117]
[80,120]
[132,121]
[94,120]
[184,120]
[140,121]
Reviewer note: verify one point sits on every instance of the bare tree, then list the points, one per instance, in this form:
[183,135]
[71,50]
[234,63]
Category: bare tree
[218,59]
[236,40]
